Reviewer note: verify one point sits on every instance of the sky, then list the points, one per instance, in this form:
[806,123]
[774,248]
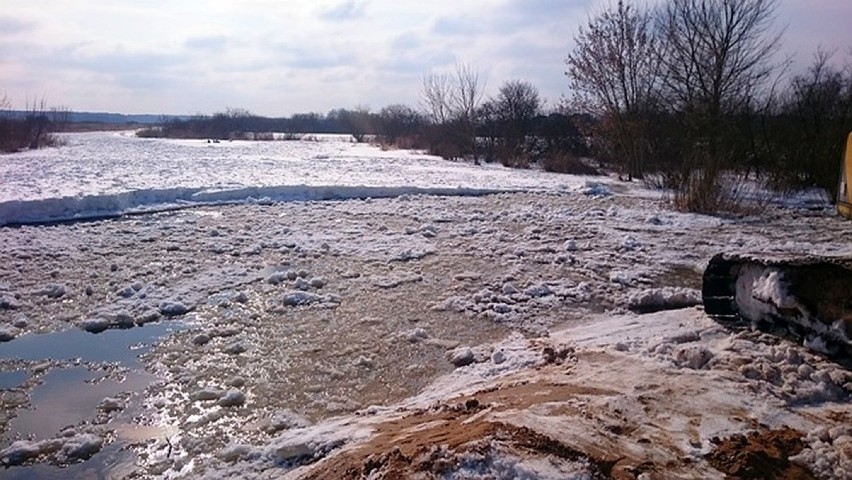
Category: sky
[276,58]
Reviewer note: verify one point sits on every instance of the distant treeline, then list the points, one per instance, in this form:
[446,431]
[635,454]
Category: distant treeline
[500,130]
[106,118]
[35,127]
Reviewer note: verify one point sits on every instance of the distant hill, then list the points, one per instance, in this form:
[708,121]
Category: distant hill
[103,117]
[118,118]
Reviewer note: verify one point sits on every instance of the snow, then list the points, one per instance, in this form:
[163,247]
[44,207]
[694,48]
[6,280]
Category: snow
[107,174]
[73,446]
[667,298]
[423,286]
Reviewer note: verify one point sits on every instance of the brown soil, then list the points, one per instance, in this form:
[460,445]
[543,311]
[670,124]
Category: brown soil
[763,455]
[424,444]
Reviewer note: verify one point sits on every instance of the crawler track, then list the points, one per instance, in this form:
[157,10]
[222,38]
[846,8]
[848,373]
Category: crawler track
[809,296]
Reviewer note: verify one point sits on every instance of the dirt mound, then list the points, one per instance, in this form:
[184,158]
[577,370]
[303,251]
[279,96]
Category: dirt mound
[434,445]
[760,455]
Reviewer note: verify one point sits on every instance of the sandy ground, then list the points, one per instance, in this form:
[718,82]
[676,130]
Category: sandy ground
[435,337]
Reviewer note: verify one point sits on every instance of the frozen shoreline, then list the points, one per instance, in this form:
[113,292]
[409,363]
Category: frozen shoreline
[108,174]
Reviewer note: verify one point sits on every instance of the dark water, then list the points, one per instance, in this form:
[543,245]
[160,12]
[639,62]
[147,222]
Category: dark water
[9,380]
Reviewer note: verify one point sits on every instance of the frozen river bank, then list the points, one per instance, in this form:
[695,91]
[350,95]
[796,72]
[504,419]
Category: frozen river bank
[310,328]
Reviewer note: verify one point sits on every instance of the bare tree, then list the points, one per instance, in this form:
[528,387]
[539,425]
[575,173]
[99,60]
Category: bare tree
[718,58]
[466,97]
[38,122]
[614,71]
[435,92]
[451,101]
[466,92]
[718,52]
[811,125]
[516,106]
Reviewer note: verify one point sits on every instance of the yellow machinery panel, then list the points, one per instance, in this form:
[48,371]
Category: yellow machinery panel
[844,191]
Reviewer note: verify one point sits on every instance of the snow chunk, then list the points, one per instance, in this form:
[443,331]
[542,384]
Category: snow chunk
[54,291]
[232,398]
[285,420]
[301,446]
[666,298]
[81,446]
[110,404]
[94,325]
[388,282]
[462,356]
[595,189]
[206,394]
[498,357]
[63,449]
[416,335]
[538,291]
[762,291]
[235,348]
[630,244]
[694,357]
[409,255]
[20,451]
[295,298]
[276,277]
[234,452]
[827,455]
[509,289]
[7,333]
[8,303]
[171,308]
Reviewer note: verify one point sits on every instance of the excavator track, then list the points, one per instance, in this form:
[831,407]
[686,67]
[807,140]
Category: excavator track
[809,298]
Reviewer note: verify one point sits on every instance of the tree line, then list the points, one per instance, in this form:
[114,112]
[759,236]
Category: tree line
[690,92]
[454,121]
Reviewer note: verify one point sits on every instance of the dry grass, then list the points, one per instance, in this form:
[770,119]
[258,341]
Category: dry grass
[563,162]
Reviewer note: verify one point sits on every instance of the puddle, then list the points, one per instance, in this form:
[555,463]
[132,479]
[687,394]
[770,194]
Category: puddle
[69,395]
[113,345]
[10,380]
[67,398]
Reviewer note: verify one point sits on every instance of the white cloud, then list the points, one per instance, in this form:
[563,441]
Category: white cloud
[282,57]
[347,10]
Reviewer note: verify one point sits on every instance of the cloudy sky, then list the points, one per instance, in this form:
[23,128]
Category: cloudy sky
[281,57]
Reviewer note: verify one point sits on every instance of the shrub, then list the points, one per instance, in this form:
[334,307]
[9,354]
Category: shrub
[564,162]
[30,132]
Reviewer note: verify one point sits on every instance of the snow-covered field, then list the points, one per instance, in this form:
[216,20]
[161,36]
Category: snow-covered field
[345,312]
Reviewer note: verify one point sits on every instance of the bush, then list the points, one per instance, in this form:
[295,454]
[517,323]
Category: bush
[150,132]
[564,162]
[33,131]
[512,159]
[712,192]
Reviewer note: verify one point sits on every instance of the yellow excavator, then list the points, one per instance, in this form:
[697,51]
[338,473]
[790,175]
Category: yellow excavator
[844,195]
[808,298]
